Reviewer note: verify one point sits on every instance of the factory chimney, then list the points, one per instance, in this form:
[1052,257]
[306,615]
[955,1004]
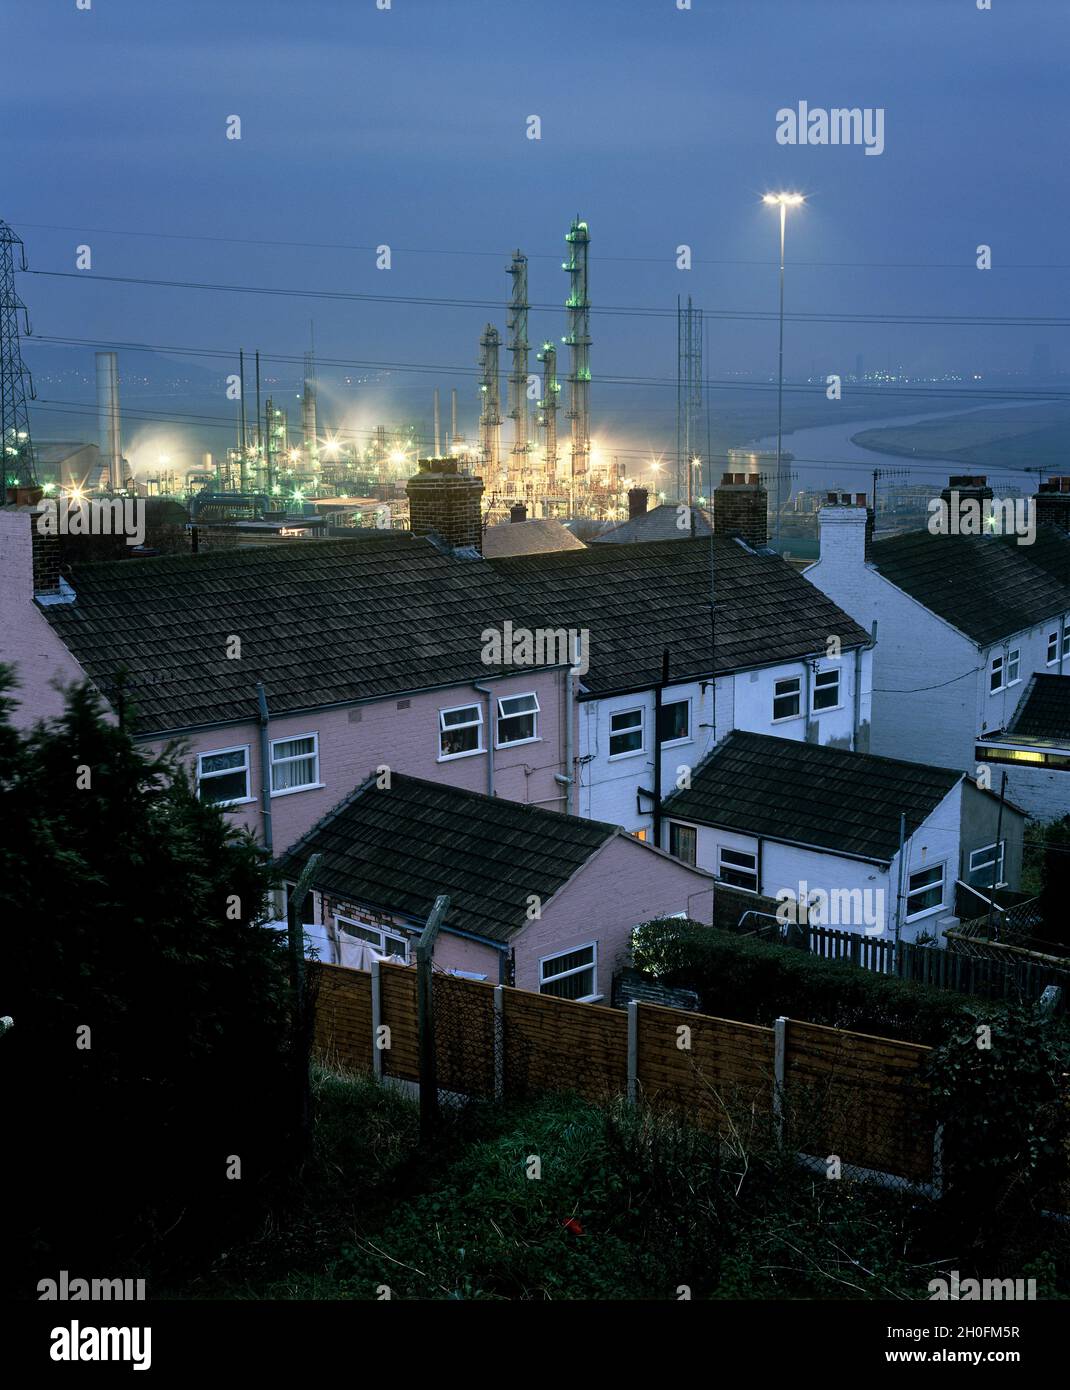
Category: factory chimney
[438,427]
[455,438]
[308,414]
[109,423]
[445,500]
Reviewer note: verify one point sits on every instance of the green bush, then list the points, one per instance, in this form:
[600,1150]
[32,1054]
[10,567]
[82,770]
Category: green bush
[757,981]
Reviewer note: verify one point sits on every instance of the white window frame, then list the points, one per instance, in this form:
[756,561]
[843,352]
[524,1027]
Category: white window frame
[1054,641]
[1001,882]
[737,868]
[443,729]
[395,934]
[521,714]
[228,772]
[997,671]
[686,738]
[640,710]
[296,758]
[927,911]
[787,680]
[683,825]
[818,675]
[576,970]
[1066,636]
[1014,662]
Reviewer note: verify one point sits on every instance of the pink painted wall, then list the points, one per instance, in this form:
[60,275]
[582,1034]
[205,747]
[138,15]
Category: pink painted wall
[354,742]
[626,883]
[26,638]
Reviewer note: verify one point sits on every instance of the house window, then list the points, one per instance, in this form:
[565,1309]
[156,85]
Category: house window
[1014,666]
[460,731]
[1053,648]
[995,675]
[625,732]
[383,942]
[295,763]
[642,834]
[683,841]
[925,891]
[223,776]
[1066,638]
[827,689]
[572,974]
[308,906]
[982,863]
[738,868]
[787,698]
[676,721]
[518,719]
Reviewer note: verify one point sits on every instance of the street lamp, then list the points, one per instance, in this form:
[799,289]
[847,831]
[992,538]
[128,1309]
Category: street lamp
[783,201]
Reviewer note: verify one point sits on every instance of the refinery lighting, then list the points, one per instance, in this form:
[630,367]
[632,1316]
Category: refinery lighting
[783,201]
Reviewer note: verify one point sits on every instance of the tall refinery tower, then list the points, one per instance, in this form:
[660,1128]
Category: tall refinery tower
[578,340]
[308,415]
[16,447]
[517,324]
[490,416]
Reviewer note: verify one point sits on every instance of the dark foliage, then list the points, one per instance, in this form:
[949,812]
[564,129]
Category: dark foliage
[132,911]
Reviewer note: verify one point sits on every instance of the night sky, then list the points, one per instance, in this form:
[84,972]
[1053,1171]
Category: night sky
[362,126]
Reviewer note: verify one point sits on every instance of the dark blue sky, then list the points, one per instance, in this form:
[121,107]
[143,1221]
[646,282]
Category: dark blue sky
[407,127]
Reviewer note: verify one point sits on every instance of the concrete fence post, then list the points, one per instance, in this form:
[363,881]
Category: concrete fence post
[377,1018]
[633,1050]
[780,1053]
[938,1161]
[499,1042]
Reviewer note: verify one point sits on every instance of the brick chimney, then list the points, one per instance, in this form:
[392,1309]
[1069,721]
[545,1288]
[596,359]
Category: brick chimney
[637,500]
[741,508]
[967,485]
[1053,503]
[444,499]
[518,512]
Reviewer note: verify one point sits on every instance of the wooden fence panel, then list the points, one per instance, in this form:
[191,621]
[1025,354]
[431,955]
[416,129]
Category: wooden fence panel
[465,1026]
[728,1066]
[556,1045]
[401,1058]
[342,1035]
[860,1098]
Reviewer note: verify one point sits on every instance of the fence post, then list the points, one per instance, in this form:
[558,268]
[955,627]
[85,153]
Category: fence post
[499,1042]
[938,1161]
[780,1052]
[377,1019]
[633,1050]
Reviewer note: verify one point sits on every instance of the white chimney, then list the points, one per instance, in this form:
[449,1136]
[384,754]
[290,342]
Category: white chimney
[843,536]
[111,443]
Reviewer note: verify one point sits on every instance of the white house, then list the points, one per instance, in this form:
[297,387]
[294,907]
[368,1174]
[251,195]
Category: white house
[875,845]
[1034,749]
[961,623]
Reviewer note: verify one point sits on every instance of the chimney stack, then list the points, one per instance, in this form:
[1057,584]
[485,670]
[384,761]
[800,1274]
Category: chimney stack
[846,525]
[637,500]
[741,507]
[45,551]
[445,500]
[967,485]
[108,419]
[1053,503]
[518,512]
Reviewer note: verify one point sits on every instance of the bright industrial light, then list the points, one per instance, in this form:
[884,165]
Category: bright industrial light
[295,455]
[790,200]
[398,456]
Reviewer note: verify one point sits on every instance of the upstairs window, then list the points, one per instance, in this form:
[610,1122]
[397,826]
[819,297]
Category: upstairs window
[827,689]
[223,776]
[738,867]
[995,675]
[460,731]
[683,841]
[1014,666]
[294,763]
[982,863]
[1053,647]
[1066,637]
[518,718]
[675,721]
[625,732]
[787,698]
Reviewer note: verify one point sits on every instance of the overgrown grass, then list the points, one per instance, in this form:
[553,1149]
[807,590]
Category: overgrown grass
[560,1199]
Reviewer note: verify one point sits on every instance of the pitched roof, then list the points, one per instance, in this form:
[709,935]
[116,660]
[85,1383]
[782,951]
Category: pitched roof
[809,794]
[638,599]
[528,538]
[1043,712]
[988,587]
[661,523]
[398,848]
[320,623]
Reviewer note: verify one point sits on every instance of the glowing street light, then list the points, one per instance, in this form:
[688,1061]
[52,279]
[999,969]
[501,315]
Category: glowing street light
[783,201]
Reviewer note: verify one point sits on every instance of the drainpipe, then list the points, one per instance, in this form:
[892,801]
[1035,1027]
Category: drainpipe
[486,690]
[857,701]
[658,695]
[899,885]
[568,781]
[265,765]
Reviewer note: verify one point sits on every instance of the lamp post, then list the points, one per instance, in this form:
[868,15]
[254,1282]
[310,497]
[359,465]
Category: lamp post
[783,201]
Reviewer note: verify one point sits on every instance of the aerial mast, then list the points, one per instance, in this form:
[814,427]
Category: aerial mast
[16,446]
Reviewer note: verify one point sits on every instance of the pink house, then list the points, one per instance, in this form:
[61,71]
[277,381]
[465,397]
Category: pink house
[538,899]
